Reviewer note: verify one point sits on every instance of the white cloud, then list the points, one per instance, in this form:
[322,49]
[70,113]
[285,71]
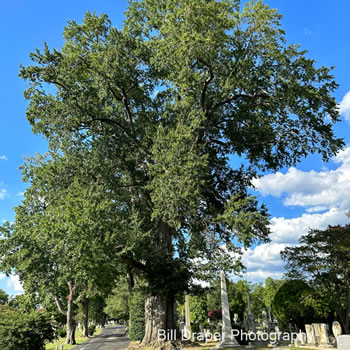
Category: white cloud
[344,106]
[316,191]
[3,193]
[2,276]
[3,158]
[290,230]
[15,284]
[324,195]
[20,194]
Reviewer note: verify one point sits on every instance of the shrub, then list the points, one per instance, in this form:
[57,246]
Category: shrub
[61,333]
[137,317]
[92,329]
[25,331]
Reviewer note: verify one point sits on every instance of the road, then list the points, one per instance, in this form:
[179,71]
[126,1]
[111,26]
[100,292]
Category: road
[111,338]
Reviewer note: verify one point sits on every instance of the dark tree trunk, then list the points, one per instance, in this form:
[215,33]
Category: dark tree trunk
[160,316]
[70,316]
[85,304]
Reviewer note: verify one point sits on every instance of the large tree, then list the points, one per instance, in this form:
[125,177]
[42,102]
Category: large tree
[165,107]
[322,259]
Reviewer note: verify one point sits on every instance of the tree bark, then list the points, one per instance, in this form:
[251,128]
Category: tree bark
[160,315]
[70,316]
[85,304]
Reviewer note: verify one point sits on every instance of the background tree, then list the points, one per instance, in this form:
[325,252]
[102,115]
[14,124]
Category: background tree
[160,107]
[61,244]
[322,260]
[4,298]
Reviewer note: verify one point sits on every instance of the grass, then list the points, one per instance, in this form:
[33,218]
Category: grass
[211,345]
[79,339]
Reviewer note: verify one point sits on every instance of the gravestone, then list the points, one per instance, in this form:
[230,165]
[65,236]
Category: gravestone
[227,339]
[317,330]
[301,337]
[343,342]
[310,335]
[336,329]
[324,338]
[188,330]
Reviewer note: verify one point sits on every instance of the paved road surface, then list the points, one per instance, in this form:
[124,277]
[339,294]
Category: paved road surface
[111,338]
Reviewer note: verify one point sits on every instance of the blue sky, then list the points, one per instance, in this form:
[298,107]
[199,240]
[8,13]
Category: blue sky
[297,198]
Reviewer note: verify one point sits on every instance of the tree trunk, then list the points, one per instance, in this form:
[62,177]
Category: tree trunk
[85,304]
[160,317]
[70,316]
[160,309]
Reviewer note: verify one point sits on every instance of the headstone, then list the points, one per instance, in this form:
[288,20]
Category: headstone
[343,342]
[310,335]
[336,329]
[188,330]
[324,338]
[301,337]
[265,320]
[227,339]
[317,332]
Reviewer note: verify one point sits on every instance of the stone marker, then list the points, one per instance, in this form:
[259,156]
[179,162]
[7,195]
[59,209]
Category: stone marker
[343,342]
[317,331]
[336,329]
[227,339]
[188,330]
[324,338]
[301,337]
[310,335]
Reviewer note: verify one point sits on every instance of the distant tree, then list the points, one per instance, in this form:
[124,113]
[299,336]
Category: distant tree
[322,260]
[117,303]
[4,298]
[297,303]
[199,309]
[61,243]
[270,289]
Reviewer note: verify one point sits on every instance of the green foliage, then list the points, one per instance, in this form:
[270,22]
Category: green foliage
[117,304]
[61,332]
[322,260]
[4,298]
[92,329]
[199,309]
[290,304]
[19,330]
[137,316]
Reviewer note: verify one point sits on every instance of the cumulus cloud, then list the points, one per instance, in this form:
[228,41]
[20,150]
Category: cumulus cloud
[15,284]
[264,261]
[316,191]
[2,276]
[344,106]
[324,197]
[3,158]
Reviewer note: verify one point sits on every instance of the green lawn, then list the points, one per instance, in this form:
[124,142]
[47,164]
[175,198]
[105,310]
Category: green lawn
[79,339]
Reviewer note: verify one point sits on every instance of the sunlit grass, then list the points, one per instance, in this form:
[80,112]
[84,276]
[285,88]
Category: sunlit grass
[79,339]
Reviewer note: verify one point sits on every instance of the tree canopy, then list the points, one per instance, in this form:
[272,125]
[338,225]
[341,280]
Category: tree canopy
[322,259]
